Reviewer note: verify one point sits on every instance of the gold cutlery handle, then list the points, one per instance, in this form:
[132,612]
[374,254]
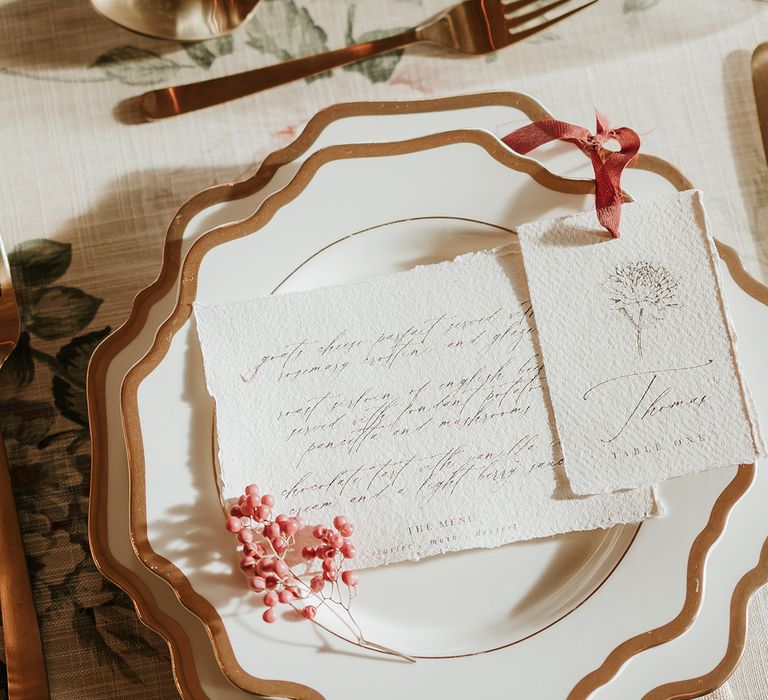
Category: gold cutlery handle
[170,101]
[21,635]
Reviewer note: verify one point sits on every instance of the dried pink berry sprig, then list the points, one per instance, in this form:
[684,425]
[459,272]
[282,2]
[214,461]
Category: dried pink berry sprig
[266,542]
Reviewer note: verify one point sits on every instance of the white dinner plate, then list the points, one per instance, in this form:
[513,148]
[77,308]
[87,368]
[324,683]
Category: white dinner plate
[543,581]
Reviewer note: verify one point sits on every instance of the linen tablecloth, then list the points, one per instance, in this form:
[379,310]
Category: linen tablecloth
[85,199]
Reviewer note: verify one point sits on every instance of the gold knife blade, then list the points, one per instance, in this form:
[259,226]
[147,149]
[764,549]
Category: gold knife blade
[760,86]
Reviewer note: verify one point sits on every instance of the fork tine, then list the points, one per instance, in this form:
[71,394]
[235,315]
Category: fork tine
[525,33]
[515,5]
[517,20]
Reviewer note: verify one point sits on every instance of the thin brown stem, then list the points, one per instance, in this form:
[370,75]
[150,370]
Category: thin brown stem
[349,620]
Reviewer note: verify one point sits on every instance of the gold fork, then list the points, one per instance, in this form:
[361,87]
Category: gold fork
[21,636]
[474,27]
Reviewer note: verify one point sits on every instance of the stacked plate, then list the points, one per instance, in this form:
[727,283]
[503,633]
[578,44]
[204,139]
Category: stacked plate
[655,611]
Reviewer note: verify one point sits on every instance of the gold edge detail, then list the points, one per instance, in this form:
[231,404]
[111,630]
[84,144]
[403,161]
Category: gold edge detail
[181,652]
[747,586]
[187,289]
[694,592]
[182,659]
[753,580]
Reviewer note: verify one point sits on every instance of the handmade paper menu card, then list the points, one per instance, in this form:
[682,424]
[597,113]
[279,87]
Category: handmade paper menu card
[412,403]
[639,353]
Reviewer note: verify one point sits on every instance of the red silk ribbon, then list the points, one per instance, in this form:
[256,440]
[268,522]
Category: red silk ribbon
[607,164]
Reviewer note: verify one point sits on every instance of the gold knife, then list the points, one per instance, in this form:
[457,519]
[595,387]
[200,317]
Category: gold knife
[760,86]
[24,661]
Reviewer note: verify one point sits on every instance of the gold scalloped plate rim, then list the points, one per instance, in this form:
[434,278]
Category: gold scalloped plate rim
[182,658]
[181,585]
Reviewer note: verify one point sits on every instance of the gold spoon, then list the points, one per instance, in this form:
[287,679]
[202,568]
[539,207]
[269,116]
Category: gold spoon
[177,20]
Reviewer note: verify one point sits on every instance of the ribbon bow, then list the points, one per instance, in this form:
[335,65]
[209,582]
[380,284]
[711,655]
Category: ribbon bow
[607,164]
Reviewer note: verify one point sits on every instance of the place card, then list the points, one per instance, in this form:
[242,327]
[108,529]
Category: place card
[411,404]
[638,348]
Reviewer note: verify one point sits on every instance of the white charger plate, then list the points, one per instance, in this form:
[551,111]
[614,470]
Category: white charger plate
[321,272]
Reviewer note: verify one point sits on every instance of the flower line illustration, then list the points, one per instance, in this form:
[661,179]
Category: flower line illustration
[642,292]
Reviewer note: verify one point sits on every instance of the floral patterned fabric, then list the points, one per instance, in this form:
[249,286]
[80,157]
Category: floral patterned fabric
[85,621]
[86,195]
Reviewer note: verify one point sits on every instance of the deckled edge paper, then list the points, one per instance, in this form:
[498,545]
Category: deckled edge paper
[639,351]
[484,473]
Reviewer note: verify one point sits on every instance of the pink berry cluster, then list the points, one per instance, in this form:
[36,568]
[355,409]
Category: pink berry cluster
[333,551]
[265,543]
